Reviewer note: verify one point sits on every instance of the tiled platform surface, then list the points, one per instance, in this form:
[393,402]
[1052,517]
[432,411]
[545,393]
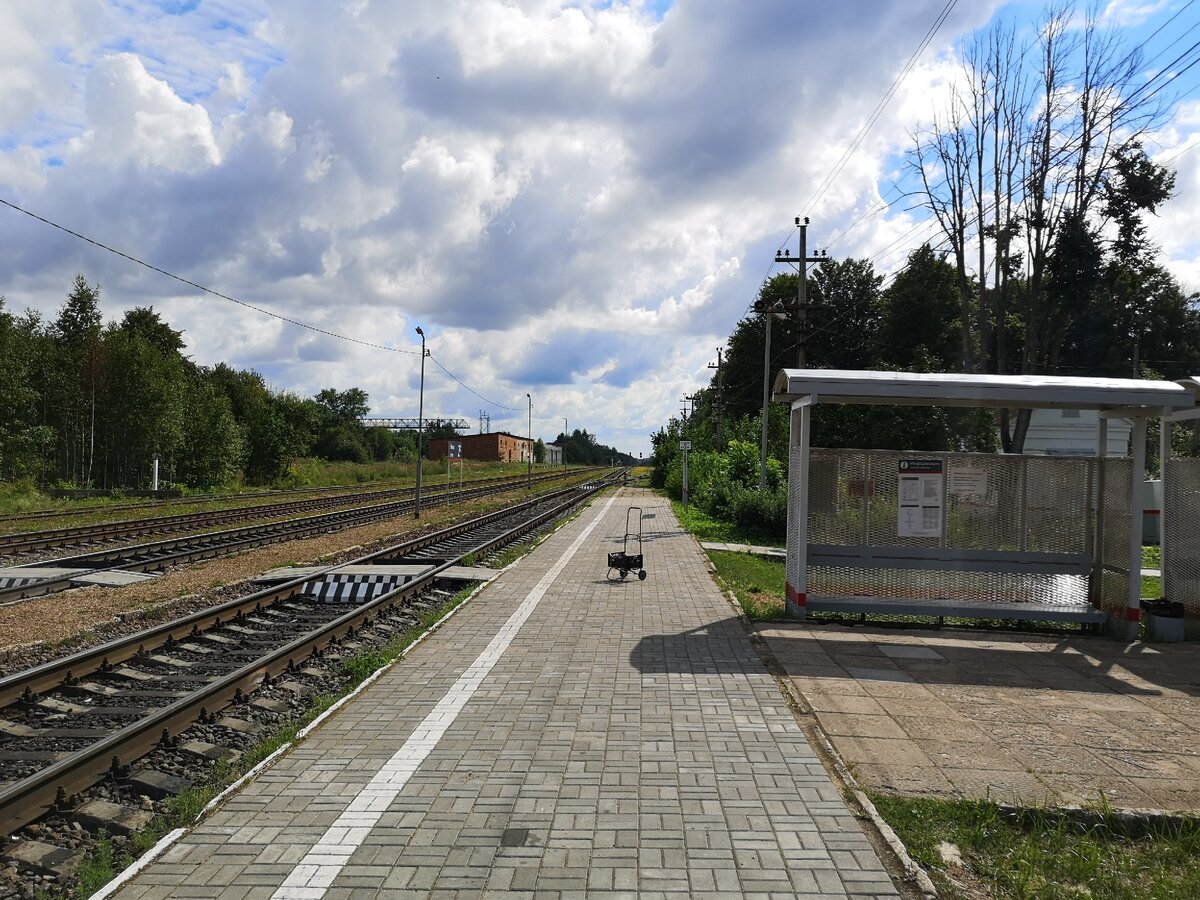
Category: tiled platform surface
[1019,718]
[627,743]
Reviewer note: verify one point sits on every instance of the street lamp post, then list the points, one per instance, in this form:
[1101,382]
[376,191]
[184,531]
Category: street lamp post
[420,417]
[529,470]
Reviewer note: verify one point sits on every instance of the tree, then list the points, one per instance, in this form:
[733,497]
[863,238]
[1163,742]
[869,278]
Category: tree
[921,314]
[76,369]
[211,450]
[1042,133]
[22,436]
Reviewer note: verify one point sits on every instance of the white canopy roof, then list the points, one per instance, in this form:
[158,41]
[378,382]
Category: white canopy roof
[962,389]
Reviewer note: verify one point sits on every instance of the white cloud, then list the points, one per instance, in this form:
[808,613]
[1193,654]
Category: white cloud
[570,200]
[134,117]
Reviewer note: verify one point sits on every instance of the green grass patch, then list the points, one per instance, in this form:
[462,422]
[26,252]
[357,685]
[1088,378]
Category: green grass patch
[1152,557]
[757,582]
[706,528]
[1044,855]
[98,867]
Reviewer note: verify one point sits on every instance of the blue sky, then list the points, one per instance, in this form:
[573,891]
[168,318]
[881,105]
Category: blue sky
[577,200]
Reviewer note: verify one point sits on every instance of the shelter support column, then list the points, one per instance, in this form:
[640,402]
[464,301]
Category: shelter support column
[1096,582]
[1164,457]
[797,541]
[1136,509]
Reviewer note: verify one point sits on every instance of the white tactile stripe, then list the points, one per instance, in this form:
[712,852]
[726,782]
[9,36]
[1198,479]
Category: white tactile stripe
[314,874]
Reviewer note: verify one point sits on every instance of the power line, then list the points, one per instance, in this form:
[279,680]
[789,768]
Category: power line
[880,107]
[200,287]
[258,309]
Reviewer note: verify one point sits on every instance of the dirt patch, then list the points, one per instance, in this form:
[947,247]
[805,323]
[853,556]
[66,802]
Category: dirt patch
[66,619]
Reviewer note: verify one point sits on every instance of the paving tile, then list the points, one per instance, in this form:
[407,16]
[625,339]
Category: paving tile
[627,741]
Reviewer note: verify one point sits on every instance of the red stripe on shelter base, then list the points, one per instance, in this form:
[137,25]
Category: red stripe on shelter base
[1135,615]
[796,597]
[1151,512]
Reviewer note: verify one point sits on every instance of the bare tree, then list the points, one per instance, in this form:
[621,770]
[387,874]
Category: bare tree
[1039,131]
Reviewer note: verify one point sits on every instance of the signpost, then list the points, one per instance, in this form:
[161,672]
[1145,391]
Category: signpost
[454,451]
[685,446]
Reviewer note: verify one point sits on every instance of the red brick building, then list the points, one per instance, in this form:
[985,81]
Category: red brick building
[495,446]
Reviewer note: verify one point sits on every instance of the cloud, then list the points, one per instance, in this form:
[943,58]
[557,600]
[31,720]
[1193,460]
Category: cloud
[137,118]
[576,200]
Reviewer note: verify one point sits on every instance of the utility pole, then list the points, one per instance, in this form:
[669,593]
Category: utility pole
[768,314]
[718,402]
[420,418]
[529,469]
[802,307]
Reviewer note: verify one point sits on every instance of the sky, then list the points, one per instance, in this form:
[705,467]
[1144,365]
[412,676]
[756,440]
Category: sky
[574,200]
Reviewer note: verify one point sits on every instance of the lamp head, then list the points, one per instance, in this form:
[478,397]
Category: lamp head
[420,332]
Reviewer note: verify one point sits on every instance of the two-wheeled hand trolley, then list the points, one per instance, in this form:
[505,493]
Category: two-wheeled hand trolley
[624,562]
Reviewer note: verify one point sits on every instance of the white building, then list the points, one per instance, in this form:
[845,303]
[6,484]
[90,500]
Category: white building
[1074,432]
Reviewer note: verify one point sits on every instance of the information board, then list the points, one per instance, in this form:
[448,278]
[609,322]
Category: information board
[455,449]
[920,500]
[970,484]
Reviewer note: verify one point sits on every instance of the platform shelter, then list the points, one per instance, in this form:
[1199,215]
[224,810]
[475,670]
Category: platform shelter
[974,535]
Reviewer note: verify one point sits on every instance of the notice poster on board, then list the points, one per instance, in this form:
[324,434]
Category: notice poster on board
[919,510]
[969,484]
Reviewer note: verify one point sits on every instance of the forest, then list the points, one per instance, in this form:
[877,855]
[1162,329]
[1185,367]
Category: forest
[1037,181]
[87,404]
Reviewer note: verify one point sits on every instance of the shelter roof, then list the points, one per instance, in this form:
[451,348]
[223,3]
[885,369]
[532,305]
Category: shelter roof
[968,389]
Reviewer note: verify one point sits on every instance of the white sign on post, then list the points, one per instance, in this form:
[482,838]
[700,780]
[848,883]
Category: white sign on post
[685,445]
[919,495]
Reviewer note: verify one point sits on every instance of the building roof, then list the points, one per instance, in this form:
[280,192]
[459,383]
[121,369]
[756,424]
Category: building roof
[967,389]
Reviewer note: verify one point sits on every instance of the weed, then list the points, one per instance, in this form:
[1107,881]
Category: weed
[98,867]
[1043,854]
[756,582]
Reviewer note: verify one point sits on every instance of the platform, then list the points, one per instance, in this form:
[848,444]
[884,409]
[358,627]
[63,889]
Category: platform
[561,736]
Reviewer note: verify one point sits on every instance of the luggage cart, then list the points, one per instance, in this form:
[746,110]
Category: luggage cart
[624,562]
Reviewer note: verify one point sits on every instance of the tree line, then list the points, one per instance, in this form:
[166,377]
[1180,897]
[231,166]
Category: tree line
[88,404]
[1038,181]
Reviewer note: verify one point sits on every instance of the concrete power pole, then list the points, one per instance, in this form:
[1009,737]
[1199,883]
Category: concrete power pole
[802,307]
[717,406]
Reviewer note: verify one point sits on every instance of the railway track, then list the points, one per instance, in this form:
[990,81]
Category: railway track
[173,501]
[71,723]
[158,555]
[13,545]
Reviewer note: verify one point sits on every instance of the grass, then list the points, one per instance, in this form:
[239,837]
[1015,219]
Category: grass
[1044,855]
[757,583]
[23,496]
[706,528]
[98,867]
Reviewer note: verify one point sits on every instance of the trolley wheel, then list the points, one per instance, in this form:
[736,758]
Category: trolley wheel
[642,575]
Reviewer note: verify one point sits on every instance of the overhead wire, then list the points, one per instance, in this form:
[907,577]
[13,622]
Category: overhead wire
[832,175]
[258,309]
[207,290]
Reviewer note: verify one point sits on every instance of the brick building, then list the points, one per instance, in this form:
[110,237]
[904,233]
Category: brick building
[495,446]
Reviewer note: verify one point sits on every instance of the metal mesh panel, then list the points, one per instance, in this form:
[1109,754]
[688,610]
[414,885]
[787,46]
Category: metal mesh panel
[1014,504]
[840,489]
[1115,500]
[1181,575]
[794,478]
[1058,515]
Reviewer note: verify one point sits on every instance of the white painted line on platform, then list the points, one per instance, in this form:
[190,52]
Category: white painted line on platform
[314,874]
